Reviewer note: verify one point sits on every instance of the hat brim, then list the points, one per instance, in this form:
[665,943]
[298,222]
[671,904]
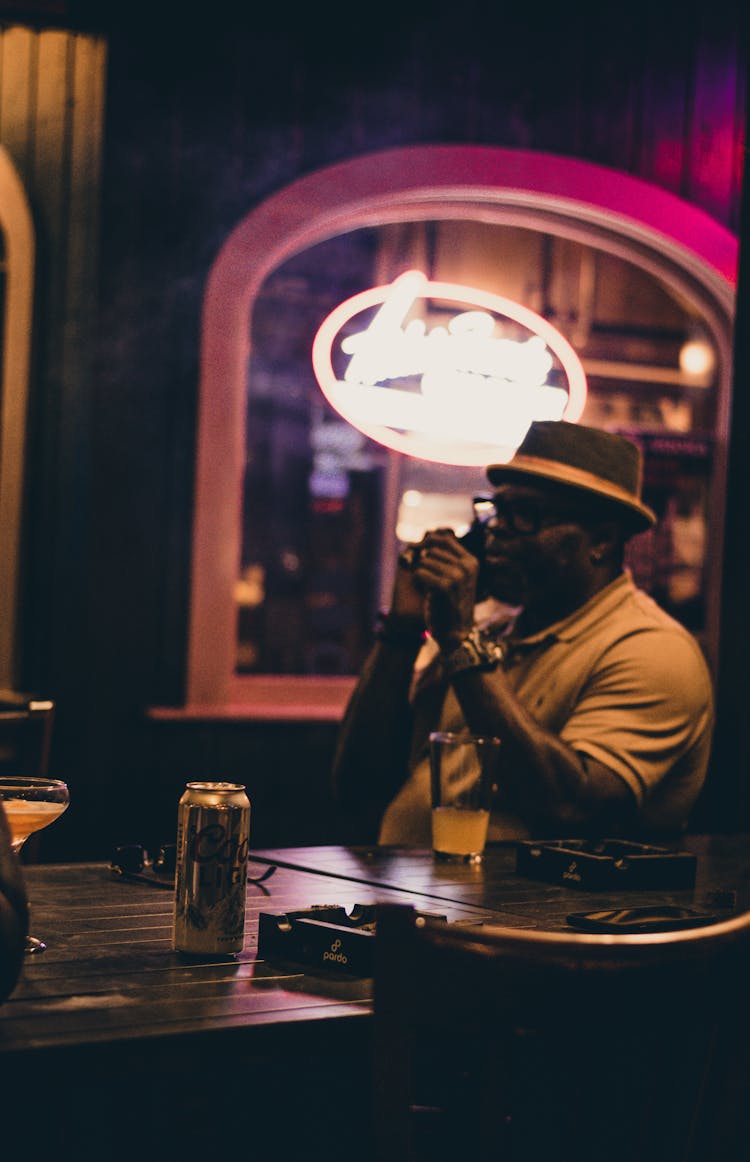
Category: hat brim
[639,515]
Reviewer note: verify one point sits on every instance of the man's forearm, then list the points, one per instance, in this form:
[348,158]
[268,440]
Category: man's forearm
[545,779]
[372,751]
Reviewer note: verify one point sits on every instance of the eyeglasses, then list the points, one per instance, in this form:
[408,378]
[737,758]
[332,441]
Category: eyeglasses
[523,515]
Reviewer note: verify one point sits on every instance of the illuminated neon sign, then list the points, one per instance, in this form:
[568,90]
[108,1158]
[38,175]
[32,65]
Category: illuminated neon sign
[461,392]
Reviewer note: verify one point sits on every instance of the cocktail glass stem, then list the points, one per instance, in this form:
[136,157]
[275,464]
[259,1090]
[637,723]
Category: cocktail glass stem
[33,943]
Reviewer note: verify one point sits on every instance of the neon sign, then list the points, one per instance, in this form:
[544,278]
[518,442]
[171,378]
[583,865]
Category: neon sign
[459,393]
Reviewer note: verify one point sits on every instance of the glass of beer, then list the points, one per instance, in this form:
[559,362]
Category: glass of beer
[464,772]
[31,804]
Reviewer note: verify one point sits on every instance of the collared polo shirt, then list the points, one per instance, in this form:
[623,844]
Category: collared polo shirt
[619,680]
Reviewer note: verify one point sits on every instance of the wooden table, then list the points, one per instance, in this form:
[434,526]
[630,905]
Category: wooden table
[142,1050]
[722,880]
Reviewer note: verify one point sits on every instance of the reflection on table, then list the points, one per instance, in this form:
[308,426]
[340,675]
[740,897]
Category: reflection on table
[144,1049]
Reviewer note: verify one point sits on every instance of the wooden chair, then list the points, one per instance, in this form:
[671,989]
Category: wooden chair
[25,741]
[25,734]
[518,1045]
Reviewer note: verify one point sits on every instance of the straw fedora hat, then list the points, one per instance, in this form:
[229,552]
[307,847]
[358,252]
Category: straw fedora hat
[586,459]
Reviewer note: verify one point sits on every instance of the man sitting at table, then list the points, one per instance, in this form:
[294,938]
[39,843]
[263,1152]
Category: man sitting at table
[602,701]
[14,918]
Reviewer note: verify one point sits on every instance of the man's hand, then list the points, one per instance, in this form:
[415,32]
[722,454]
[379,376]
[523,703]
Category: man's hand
[446,573]
[408,598]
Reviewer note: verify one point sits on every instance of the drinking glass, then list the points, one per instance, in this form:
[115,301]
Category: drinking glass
[464,770]
[31,804]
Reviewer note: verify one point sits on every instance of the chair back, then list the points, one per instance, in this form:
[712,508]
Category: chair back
[25,734]
[25,740]
[494,1043]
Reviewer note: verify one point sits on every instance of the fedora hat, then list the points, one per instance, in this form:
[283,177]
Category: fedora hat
[585,459]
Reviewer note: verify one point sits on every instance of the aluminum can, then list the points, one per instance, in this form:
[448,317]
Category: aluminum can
[213,839]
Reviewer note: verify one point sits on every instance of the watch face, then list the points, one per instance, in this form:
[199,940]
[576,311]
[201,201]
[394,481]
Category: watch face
[487,648]
[497,651]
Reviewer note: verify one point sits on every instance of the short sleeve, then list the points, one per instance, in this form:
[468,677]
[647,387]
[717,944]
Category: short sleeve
[647,711]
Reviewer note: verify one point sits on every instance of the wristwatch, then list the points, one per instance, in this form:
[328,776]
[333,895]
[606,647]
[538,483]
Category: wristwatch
[478,651]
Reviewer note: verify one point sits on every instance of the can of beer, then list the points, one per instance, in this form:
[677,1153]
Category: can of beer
[213,838]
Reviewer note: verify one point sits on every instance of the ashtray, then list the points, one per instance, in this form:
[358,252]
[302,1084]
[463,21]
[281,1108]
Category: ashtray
[325,937]
[653,918]
[605,863]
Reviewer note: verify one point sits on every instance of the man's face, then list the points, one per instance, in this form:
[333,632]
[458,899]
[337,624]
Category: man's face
[537,549]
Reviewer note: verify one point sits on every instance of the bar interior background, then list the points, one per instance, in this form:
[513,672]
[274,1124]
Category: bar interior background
[140,137]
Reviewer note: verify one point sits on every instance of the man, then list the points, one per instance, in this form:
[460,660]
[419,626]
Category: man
[603,702]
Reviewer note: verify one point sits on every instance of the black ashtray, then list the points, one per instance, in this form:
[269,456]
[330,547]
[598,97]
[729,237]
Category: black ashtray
[325,937]
[652,918]
[605,863]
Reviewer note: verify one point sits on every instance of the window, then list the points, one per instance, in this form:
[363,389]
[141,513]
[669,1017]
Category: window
[16,294]
[290,565]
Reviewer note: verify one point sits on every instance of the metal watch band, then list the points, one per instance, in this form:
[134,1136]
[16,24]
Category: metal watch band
[477,651]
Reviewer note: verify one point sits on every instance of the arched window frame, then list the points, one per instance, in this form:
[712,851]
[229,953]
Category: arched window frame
[17,306]
[629,218]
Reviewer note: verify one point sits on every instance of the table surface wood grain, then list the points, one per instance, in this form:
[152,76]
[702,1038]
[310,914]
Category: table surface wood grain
[141,1048]
[110,973]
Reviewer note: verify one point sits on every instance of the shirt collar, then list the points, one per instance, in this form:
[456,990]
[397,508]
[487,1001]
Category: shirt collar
[601,605]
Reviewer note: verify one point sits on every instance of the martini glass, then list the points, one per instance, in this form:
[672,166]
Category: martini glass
[31,804]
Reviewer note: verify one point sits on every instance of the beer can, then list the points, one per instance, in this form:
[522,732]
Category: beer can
[213,839]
